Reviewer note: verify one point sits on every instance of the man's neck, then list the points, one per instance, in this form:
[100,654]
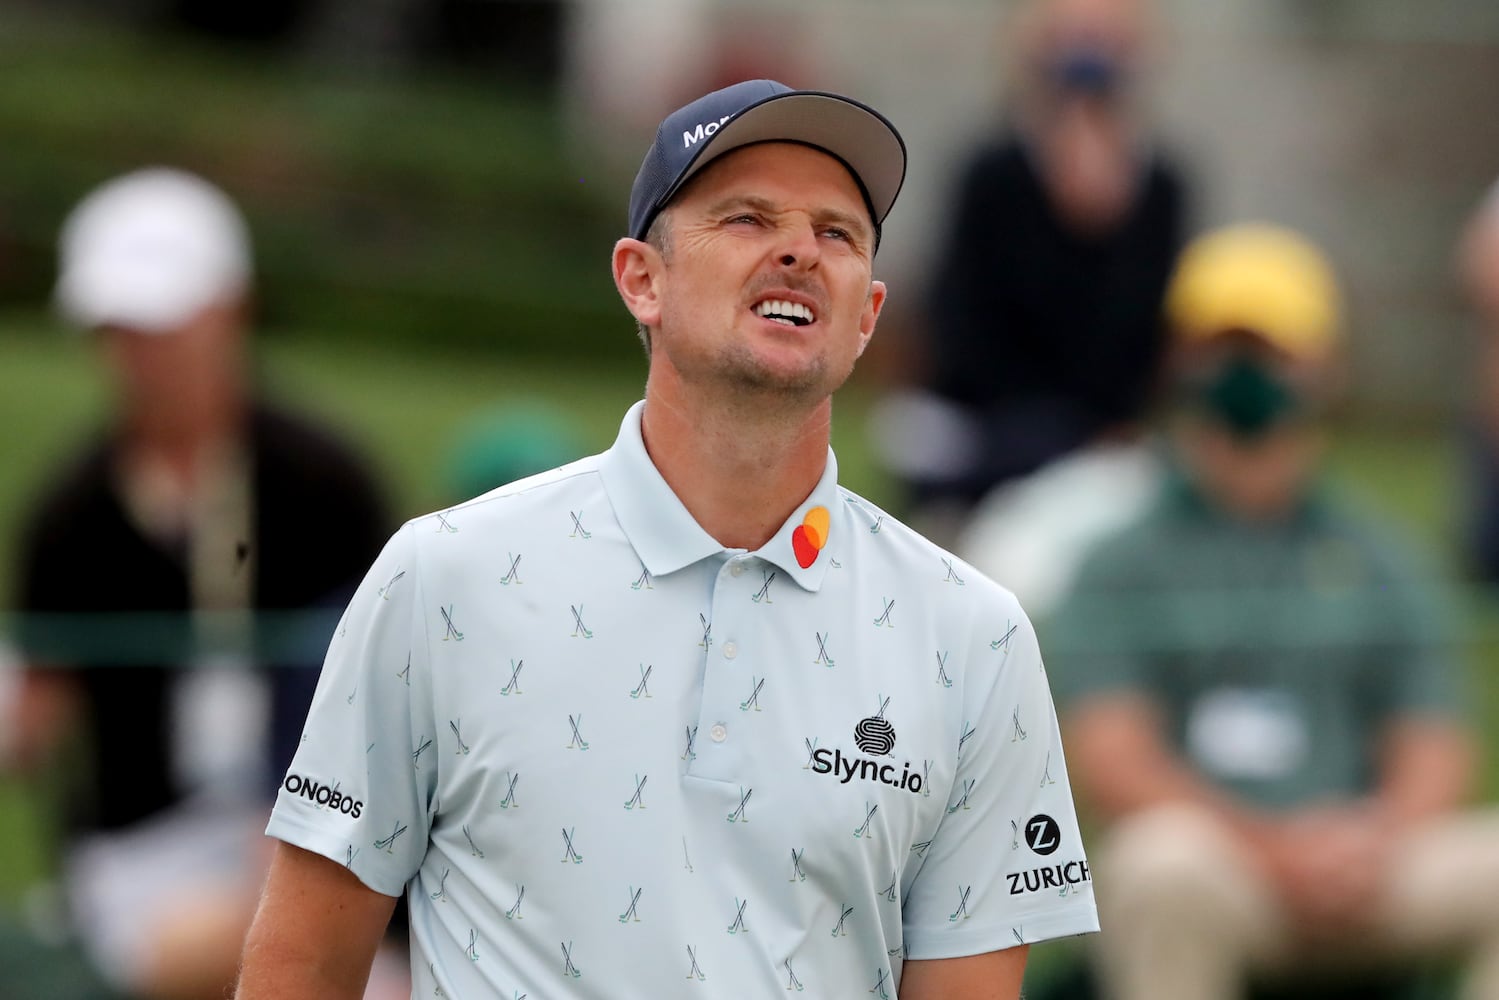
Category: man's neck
[181,445]
[173,485]
[740,470]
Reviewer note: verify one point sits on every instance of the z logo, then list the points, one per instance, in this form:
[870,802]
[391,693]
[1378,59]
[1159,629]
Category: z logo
[1042,834]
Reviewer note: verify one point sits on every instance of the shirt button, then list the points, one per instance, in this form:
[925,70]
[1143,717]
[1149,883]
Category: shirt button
[736,568]
[730,650]
[719,732]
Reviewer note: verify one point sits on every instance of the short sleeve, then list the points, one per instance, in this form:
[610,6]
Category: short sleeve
[1007,865]
[361,788]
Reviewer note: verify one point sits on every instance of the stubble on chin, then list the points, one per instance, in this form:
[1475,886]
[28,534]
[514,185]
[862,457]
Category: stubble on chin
[763,378]
[741,367]
[741,373]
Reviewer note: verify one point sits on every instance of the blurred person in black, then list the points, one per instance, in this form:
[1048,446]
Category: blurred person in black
[1259,687]
[1042,330]
[191,533]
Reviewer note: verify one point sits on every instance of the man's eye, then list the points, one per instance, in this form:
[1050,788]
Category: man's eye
[743,219]
[838,234]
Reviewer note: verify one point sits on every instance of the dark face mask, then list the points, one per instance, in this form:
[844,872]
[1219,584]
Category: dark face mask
[1086,72]
[1245,396]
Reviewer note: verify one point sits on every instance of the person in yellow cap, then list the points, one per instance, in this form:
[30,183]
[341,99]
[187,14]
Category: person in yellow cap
[1257,686]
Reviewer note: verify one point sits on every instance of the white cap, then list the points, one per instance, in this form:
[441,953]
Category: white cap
[149,250]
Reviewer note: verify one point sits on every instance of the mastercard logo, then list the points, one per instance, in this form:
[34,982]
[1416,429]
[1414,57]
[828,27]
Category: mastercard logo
[810,536]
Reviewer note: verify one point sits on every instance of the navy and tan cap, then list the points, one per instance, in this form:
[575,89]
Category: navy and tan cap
[757,111]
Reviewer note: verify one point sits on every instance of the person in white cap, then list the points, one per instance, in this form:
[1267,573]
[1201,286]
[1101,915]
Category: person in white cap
[688,718]
[188,534]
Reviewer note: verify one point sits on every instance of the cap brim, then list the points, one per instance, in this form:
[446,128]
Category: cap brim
[136,295]
[861,137]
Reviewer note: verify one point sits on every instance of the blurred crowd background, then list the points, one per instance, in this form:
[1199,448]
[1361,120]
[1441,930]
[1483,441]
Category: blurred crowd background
[431,188]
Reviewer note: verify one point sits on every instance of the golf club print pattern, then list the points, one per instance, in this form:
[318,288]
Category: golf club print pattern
[558,704]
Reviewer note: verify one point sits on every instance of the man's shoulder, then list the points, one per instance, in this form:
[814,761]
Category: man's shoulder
[1384,544]
[877,534]
[281,437]
[1158,540]
[1001,154]
[517,504]
[75,489]
[1144,535]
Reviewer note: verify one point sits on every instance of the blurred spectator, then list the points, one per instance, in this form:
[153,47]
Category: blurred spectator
[1043,325]
[196,505]
[1257,685]
[1479,266]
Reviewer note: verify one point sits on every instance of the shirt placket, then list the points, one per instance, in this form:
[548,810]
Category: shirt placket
[733,686]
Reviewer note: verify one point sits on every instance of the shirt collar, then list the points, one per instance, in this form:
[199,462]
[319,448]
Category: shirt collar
[804,546]
[667,538]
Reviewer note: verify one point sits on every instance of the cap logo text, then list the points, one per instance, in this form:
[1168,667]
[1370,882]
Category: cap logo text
[703,131]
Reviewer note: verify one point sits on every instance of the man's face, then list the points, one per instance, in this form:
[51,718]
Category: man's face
[169,381]
[1249,428]
[766,287]
[1257,478]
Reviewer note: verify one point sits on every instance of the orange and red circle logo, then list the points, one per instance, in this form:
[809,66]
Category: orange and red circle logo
[810,536]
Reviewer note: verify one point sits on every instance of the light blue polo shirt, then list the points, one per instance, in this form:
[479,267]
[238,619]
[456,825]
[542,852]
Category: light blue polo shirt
[607,757]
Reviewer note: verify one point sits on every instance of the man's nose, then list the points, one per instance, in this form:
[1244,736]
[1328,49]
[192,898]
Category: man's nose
[799,246]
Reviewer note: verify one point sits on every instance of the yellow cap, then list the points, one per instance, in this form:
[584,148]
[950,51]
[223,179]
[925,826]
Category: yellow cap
[1257,278]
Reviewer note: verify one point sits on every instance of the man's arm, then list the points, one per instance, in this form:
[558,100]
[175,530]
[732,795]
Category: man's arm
[1326,859]
[1428,767]
[1121,761]
[1119,757]
[994,975]
[43,711]
[315,933]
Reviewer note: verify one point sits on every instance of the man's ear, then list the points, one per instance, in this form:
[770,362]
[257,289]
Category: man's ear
[637,275]
[871,314]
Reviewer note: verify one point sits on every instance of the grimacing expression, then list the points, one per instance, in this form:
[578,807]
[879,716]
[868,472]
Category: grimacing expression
[767,285]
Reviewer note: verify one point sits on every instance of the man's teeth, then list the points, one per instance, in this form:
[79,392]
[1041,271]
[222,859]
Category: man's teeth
[791,313]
